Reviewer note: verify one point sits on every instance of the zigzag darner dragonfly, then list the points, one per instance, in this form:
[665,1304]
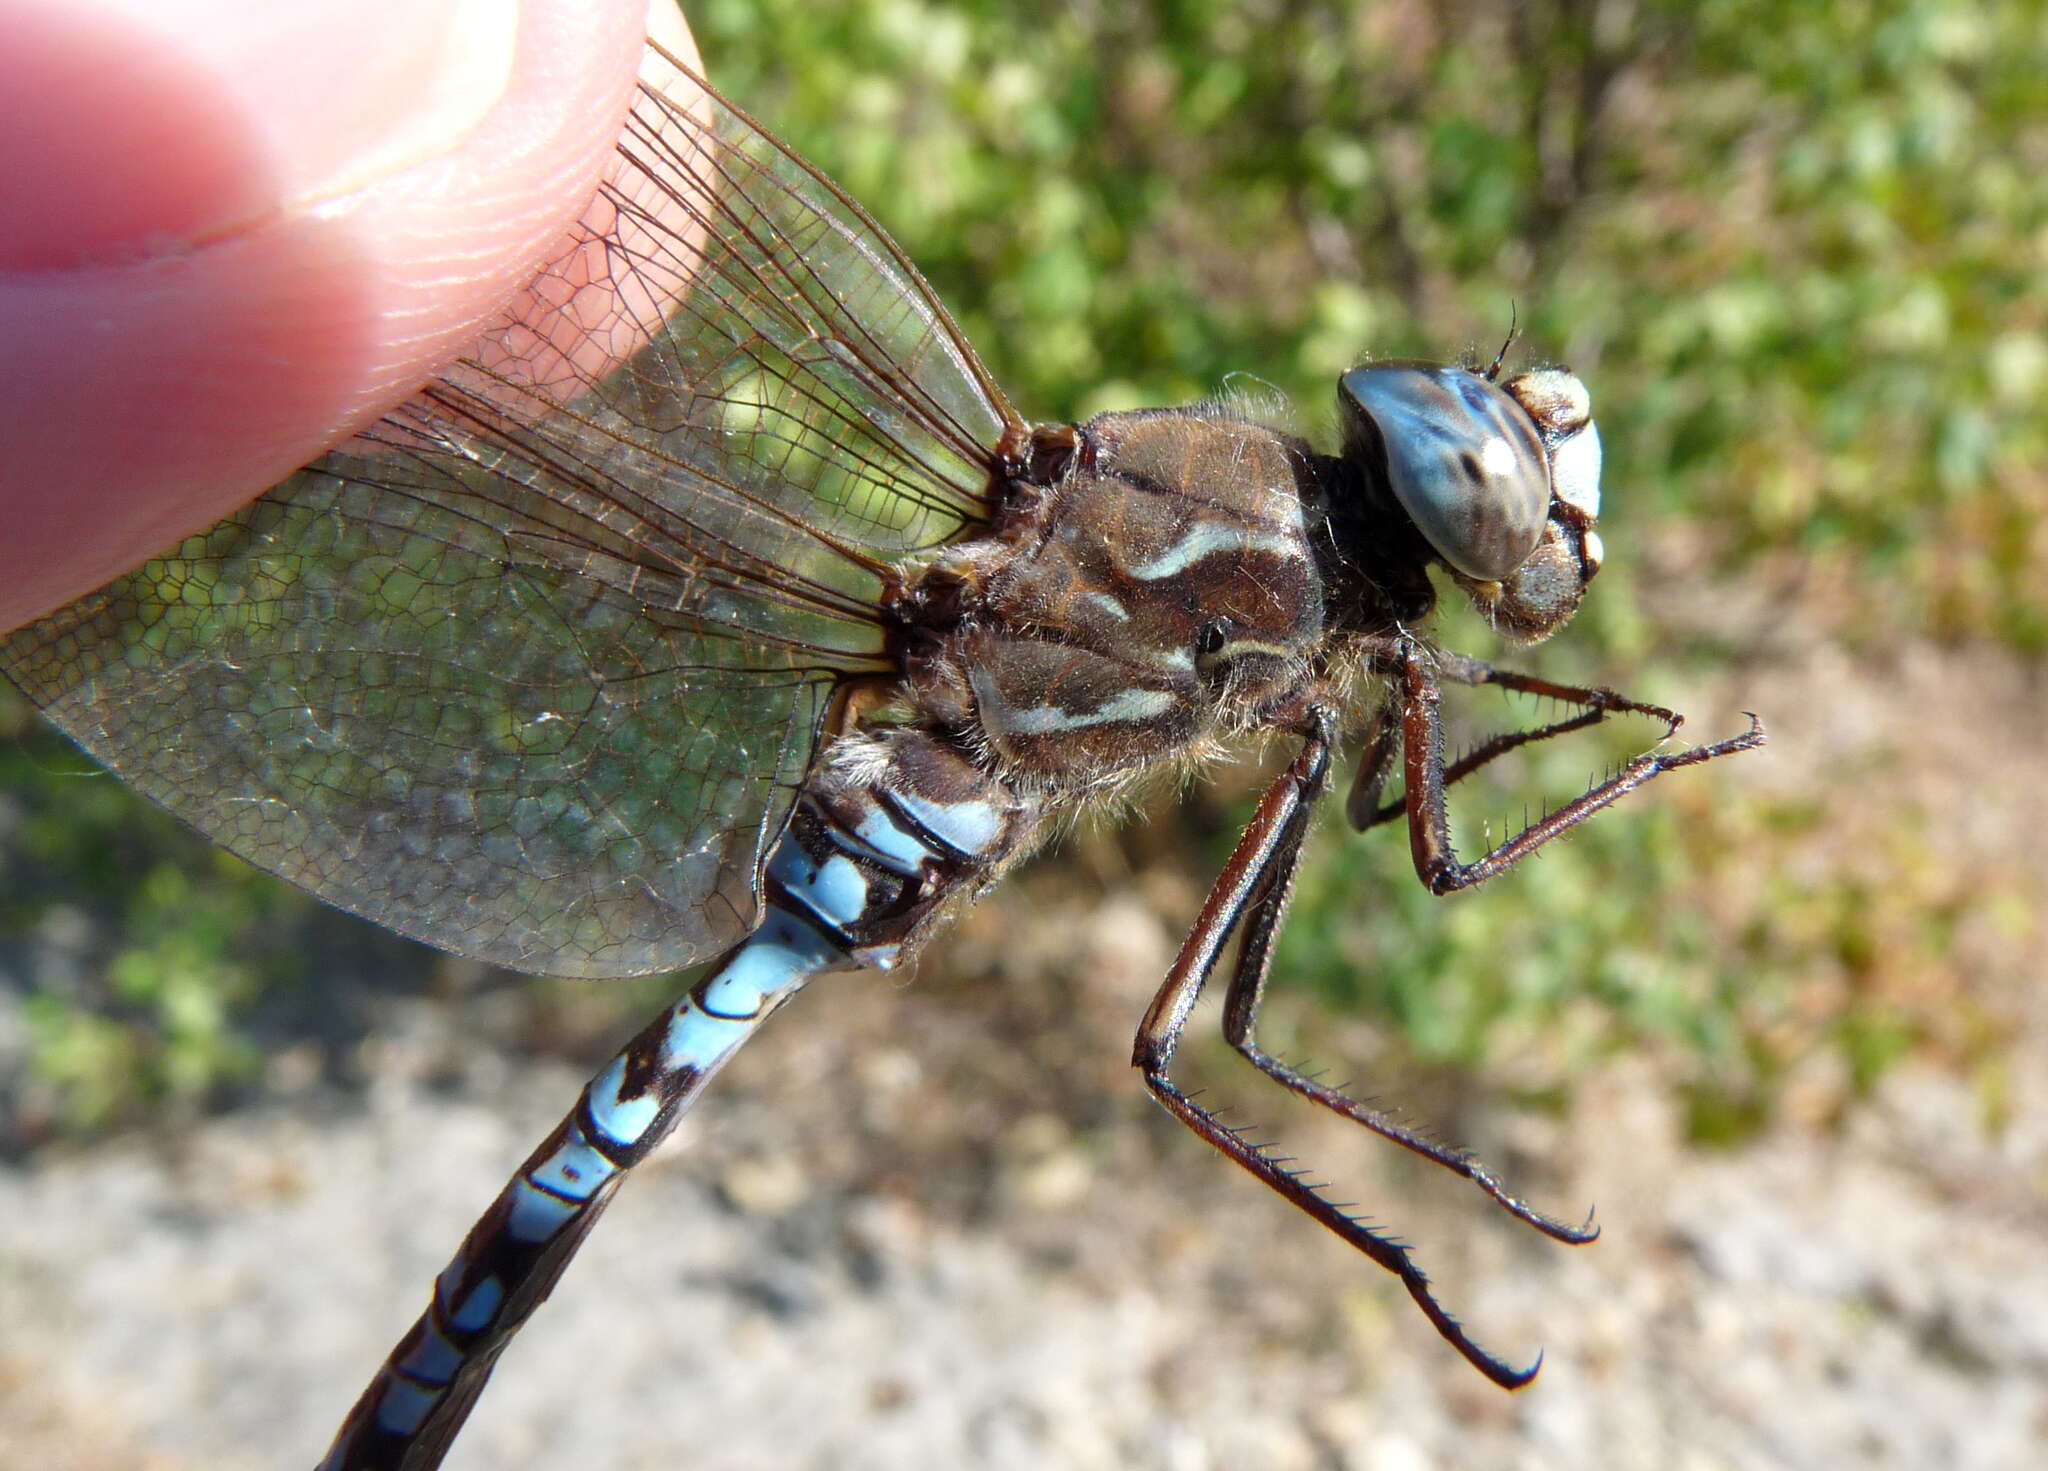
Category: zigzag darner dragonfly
[723,610]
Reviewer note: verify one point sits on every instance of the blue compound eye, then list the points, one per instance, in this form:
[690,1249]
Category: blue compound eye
[1462,457]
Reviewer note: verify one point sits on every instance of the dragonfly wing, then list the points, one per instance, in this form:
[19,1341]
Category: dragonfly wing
[533,670]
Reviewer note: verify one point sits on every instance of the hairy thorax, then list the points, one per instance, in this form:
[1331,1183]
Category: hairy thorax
[1160,593]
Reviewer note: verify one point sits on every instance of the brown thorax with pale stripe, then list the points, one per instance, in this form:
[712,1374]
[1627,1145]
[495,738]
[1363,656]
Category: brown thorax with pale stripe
[1164,578]
[1163,590]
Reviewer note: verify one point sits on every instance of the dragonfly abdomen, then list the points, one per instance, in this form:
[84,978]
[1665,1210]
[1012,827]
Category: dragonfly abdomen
[892,828]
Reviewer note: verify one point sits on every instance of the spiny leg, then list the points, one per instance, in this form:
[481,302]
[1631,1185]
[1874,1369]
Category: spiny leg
[1363,808]
[1417,674]
[1265,858]
[1261,924]
[1429,833]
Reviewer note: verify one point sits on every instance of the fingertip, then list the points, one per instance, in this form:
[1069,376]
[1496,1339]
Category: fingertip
[147,129]
[199,294]
[108,154]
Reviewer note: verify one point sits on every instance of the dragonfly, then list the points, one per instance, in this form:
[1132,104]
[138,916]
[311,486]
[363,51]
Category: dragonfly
[720,611]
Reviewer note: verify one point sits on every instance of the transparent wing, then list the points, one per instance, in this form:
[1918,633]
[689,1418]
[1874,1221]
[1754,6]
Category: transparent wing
[533,671]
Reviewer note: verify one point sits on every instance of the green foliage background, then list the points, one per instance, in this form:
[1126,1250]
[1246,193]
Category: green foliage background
[1797,251]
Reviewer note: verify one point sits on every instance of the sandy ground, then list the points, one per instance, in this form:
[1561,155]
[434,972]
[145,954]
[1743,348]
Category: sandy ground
[936,1225]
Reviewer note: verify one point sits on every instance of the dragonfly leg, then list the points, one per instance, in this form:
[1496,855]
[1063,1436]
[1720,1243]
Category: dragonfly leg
[1363,808]
[1240,1026]
[1429,835]
[1253,886]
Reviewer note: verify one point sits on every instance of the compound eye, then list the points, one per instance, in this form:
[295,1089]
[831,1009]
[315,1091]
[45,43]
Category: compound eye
[1563,411]
[1462,457]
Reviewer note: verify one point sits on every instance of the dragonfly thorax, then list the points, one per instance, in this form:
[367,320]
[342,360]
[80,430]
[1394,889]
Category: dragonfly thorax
[1162,591]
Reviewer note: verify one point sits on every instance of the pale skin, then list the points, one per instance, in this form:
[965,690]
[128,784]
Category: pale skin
[225,245]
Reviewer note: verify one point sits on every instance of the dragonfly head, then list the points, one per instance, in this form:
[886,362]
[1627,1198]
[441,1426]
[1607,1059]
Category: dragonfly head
[1502,480]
